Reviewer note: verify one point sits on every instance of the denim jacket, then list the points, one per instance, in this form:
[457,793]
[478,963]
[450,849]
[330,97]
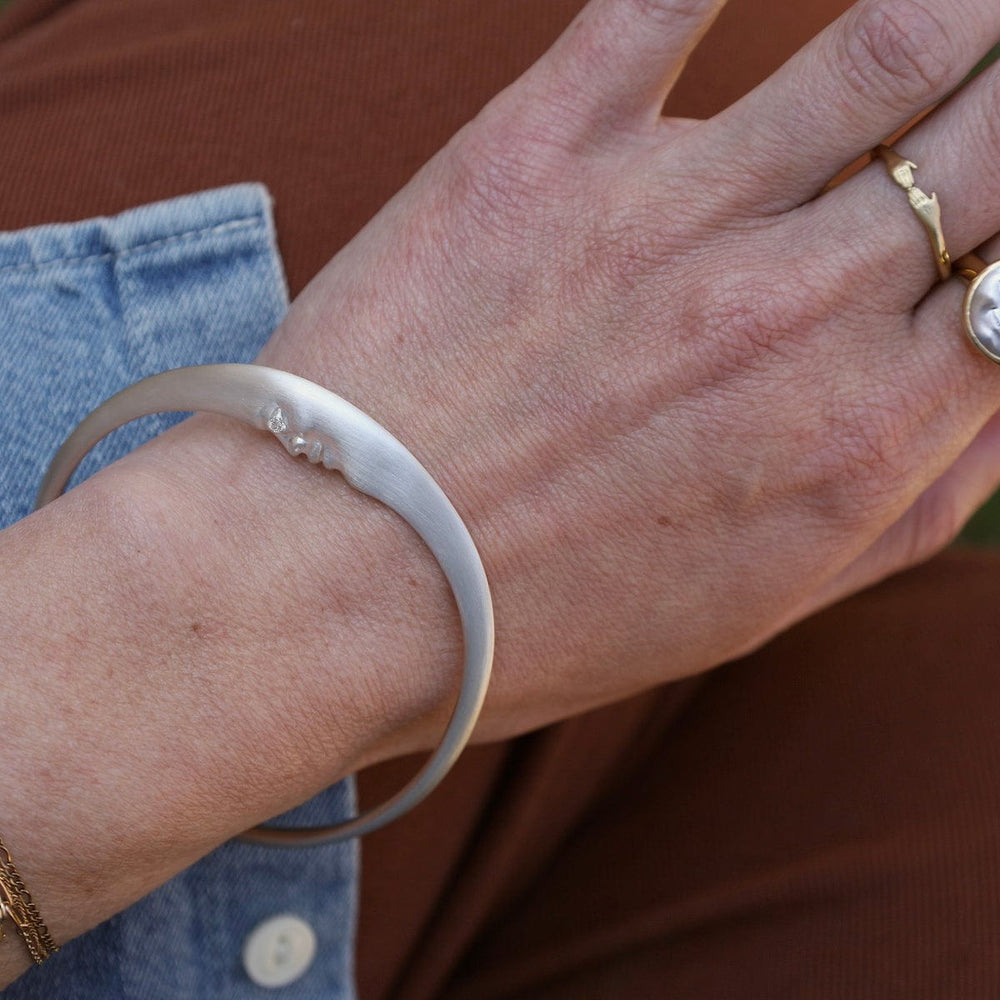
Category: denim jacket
[87,308]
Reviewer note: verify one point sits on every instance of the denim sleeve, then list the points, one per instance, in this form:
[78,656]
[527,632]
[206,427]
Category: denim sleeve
[85,309]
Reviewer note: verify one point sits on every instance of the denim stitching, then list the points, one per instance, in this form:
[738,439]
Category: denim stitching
[251,221]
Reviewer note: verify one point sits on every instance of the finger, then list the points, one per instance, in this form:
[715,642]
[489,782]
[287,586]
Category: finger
[614,65]
[930,524]
[862,79]
[934,399]
[867,221]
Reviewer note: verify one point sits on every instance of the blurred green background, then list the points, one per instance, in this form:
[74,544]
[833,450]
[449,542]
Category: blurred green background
[984,528]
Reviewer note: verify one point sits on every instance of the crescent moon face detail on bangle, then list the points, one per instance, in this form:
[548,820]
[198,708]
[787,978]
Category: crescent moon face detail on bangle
[982,311]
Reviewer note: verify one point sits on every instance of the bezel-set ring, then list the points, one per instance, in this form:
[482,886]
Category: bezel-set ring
[981,308]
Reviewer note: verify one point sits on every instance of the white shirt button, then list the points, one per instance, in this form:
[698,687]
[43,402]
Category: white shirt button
[279,950]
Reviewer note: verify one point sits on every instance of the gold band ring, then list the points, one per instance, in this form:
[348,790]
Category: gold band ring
[926,207]
[981,309]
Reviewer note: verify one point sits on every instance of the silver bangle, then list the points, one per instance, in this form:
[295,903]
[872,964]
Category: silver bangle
[309,420]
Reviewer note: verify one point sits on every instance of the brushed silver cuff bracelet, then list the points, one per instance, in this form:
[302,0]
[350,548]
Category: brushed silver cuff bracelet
[309,420]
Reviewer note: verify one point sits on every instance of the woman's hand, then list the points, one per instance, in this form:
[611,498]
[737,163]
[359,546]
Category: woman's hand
[681,398]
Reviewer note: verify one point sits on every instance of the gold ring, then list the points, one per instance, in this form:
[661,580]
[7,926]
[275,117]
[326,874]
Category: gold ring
[981,310]
[926,207]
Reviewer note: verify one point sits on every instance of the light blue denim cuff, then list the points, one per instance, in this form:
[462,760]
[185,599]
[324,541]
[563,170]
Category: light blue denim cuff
[87,308]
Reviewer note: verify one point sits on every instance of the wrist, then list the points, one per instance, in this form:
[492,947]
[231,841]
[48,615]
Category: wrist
[232,632]
[326,603]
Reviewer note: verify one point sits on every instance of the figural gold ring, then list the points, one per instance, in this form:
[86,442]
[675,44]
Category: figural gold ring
[981,309]
[926,207]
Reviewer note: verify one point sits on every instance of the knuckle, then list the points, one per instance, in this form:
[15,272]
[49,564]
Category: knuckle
[860,465]
[629,241]
[746,328]
[502,170]
[899,50]
[761,315]
[487,177]
[626,240]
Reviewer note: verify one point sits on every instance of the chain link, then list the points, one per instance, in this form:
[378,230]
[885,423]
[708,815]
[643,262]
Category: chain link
[16,902]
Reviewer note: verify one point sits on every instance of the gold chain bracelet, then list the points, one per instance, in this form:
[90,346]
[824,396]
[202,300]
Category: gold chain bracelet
[16,903]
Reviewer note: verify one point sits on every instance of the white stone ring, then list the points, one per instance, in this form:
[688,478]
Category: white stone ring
[981,310]
[309,420]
